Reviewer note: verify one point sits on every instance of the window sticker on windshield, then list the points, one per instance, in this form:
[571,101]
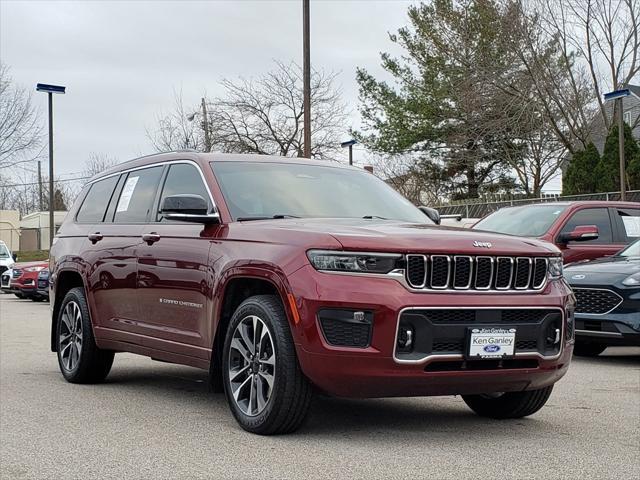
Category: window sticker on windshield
[632,226]
[127,191]
[557,212]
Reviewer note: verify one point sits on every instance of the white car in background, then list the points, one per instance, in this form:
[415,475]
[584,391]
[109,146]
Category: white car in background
[7,259]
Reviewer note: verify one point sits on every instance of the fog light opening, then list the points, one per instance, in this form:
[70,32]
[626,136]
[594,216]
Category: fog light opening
[406,338]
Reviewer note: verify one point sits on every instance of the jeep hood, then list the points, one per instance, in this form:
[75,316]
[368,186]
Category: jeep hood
[382,236]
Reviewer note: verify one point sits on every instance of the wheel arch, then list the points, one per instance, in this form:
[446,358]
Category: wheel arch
[234,290]
[65,281]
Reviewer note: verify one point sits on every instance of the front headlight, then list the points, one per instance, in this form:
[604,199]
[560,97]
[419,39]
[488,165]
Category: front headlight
[632,280]
[33,269]
[353,262]
[555,268]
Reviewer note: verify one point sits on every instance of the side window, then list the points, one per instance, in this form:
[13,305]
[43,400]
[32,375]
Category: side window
[630,221]
[136,198]
[183,178]
[96,201]
[592,216]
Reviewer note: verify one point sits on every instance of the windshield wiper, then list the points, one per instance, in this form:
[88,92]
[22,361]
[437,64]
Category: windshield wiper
[277,216]
[371,217]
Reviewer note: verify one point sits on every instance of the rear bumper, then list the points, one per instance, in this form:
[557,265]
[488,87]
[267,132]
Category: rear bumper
[375,371]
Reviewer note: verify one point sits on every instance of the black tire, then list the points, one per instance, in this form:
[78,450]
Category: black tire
[588,349]
[93,364]
[19,295]
[509,404]
[290,395]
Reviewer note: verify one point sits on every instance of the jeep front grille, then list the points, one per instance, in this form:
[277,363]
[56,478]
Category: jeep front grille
[465,272]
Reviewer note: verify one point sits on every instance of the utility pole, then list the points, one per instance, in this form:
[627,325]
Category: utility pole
[205,125]
[40,206]
[306,79]
[618,95]
[623,175]
[50,89]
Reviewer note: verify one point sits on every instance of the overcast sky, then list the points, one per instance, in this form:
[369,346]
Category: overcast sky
[122,60]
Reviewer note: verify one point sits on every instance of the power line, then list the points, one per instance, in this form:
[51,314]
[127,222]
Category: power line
[36,183]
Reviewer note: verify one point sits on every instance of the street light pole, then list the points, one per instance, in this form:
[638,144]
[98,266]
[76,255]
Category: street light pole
[350,144]
[50,89]
[205,125]
[306,79]
[51,193]
[623,175]
[618,95]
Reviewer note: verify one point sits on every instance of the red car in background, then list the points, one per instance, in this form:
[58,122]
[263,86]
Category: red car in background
[27,280]
[583,230]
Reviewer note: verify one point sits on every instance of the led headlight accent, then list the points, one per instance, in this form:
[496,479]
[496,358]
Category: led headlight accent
[33,269]
[555,268]
[356,262]
[632,280]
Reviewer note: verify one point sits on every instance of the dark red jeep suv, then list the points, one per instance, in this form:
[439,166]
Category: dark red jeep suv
[286,276]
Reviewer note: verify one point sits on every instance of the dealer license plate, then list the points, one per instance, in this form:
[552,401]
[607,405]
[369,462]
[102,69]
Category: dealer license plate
[491,342]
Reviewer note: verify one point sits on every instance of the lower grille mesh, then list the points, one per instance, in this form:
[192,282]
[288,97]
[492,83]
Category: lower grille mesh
[595,301]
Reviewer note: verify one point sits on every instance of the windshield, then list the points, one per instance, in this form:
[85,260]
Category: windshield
[259,190]
[4,252]
[526,221]
[632,250]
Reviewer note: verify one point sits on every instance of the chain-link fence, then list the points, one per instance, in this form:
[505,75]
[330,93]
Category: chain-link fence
[480,209]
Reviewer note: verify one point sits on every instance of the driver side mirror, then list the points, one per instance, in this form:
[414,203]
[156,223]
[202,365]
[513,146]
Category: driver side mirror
[580,233]
[188,208]
[432,213]
[15,257]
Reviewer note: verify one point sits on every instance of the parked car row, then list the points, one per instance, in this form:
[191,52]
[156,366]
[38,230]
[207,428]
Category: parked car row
[601,265]
[29,280]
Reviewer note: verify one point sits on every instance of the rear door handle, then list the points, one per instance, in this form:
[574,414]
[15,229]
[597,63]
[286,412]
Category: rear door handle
[150,238]
[95,237]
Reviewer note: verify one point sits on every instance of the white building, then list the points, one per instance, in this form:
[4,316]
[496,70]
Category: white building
[34,229]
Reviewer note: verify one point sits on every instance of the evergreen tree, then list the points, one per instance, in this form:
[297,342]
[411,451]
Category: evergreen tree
[580,176]
[608,169]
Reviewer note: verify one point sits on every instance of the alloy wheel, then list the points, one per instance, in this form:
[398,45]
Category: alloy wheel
[252,363]
[70,339]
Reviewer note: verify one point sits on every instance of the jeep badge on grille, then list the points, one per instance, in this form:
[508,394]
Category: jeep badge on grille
[482,244]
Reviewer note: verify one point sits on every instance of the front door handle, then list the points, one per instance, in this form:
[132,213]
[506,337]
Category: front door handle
[95,237]
[150,238]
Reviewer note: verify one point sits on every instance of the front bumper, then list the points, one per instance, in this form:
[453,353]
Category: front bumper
[617,327]
[375,370]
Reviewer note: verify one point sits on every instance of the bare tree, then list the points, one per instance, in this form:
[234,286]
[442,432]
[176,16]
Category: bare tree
[600,39]
[176,130]
[20,127]
[97,163]
[261,115]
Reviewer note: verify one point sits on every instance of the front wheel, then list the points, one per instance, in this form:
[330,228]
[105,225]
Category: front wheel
[588,349]
[509,404]
[265,388]
[80,360]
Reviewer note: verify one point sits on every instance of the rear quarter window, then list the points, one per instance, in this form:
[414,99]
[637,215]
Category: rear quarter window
[95,202]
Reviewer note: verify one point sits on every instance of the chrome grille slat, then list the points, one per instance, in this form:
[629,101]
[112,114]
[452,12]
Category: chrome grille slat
[469,272]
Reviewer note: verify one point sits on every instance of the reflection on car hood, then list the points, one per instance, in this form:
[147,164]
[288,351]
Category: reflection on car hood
[621,265]
[381,235]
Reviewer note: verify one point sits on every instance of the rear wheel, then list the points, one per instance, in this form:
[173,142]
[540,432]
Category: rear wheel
[588,349]
[80,360]
[266,390]
[509,404]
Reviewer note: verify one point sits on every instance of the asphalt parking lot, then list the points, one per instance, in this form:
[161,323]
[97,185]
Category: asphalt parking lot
[155,420]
